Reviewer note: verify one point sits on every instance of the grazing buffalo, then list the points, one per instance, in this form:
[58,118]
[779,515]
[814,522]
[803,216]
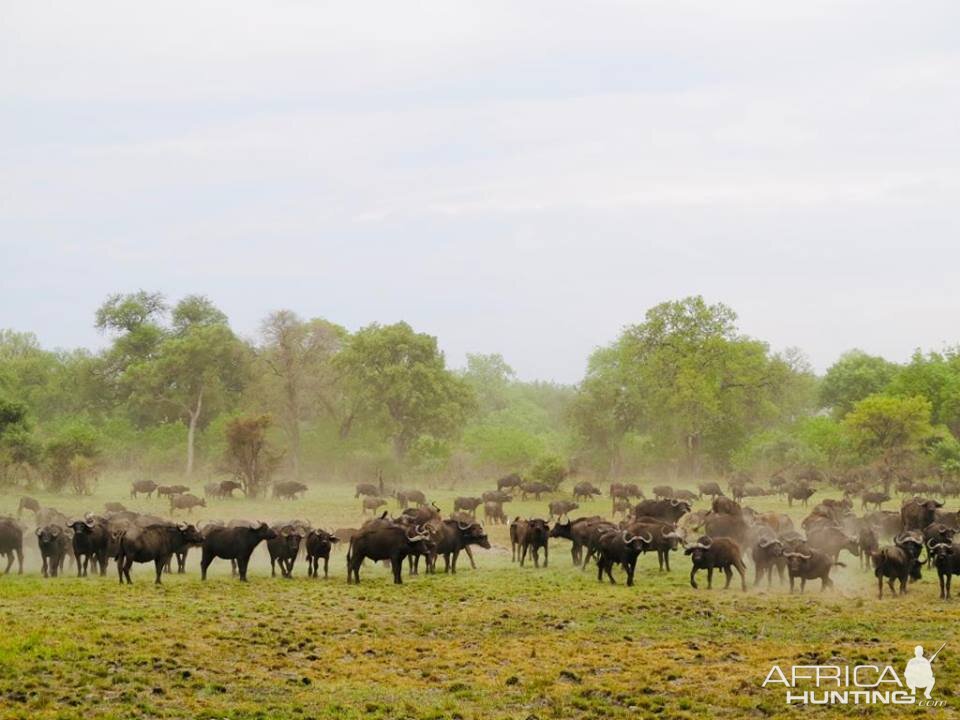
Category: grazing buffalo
[288,490]
[946,559]
[467,504]
[493,512]
[368,489]
[533,488]
[233,543]
[529,536]
[385,540]
[372,503]
[663,492]
[664,538]
[143,487]
[561,507]
[916,513]
[810,565]
[720,553]
[668,510]
[186,502]
[91,539]
[27,503]
[620,547]
[222,490]
[318,544]
[53,541]
[456,535]
[585,491]
[497,496]
[875,499]
[708,488]
[511,482]
[801,493]
[154,543]
[895,563]
[11,543]
[578,532]
[114,507]
[283,548]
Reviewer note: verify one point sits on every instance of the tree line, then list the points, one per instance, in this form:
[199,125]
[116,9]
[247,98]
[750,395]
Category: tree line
[683,394]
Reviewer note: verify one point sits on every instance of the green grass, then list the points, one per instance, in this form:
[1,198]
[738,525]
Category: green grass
[497,642]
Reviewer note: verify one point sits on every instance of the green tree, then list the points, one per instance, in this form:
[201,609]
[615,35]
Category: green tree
[490,378]
[19,450]
[853,377]
[935,376]
[401,383]
[71,455]
[888,430]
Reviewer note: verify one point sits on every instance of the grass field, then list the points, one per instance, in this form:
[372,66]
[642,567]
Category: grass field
[496,642]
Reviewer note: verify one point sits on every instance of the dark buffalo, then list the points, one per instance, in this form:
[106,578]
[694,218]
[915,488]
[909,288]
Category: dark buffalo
[578,532]
[53,541]
[169,490]
[868,543]
[668,510]
[11,543]
[233,543]
[493,512]
[831,540]
[810,565]
[950,518]
[288,490]
[937,533]
[767,555]
[946,558]
[186,502]
[620,547]
[720,553]
[511,481]
[27,503]
[664,538]
[801,493]
[708,488]
[918,512]
[911,541]
[561,507]
[530,536]
[143,487]
[91,539]
[585,491]
[533,488]
[283,548]
[385,540]
[456,536]
[663,492]
[221,490]
[319,543]
[467,504]
[895,563]
[726,506]
[156,543]
[875,499]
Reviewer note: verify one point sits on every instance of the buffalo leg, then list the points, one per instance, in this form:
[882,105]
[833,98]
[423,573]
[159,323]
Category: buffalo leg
[326,561]
[693,577]
[523,554]
[159,563]
[273,567]
[397,566]
[43,569]
[729,573]
[546,554]
[743,576]
[19,561]
[631,567]
[205,561]
[127,564]
[709,578]
[536,556]
[9,562]
[880,586]
[242,567]
[608,569]
[469,552]
[803,584]
[599,572]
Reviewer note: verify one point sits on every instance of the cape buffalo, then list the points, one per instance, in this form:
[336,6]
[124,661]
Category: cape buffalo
[114,507]
[493,513]
[708,488]
[530,536]
[894,563]
[946,559]
[372,503]
[169,490]
[233,543]
[767,555]
[53,542]
[289,490]
[221,490]
[799,492]
[284,548]
[467,504]
[810,565]
[585,491]
[156,543]
[669,510]
[27,503]
[868,542]
[367,489]
[11,543]
[185,502]
[456,536]
[831,540]
[143,487]
[663,492]
[876,499]
[533,488]
[722,554]
[561,507]
[918,512]
[511,481]
[620,547]
[497,496]
[578,532]
[385,541]
[318,544]
[664,538]
[90,541]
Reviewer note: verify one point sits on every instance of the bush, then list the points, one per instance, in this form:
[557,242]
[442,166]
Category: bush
[70,457]
[550,470]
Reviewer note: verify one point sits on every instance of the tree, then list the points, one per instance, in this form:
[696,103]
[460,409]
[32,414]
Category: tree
[248,454]
[490,377]
[935,376]
[194,371]
[549,470]
[853,377]
[298,357]
[71,456]
[888,430]
[18,447]
[402,385]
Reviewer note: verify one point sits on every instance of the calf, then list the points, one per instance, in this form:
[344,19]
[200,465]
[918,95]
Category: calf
[319,543]
[895,563]
[620,547]
[810,565]
[722,553]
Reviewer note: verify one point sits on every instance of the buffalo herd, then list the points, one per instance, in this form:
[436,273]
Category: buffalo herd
[895,545]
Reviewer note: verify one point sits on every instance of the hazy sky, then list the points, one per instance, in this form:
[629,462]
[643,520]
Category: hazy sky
[517,177]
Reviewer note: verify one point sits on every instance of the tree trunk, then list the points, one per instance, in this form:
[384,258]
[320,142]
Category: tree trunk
[192,431]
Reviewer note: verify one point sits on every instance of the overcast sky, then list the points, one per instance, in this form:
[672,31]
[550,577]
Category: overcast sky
[518,177]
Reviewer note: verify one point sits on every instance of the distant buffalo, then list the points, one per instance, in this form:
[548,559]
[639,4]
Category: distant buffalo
[585,491]
[222,489]
[170,490]
[186,502]
[288,490]
[143,487]
[511,481]
[27,503]
[467,504]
